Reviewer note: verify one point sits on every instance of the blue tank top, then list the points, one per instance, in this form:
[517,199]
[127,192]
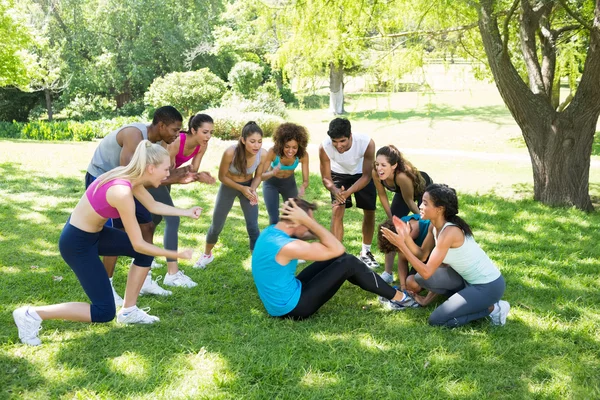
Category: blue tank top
[282,167]
[277,286]
[423,227]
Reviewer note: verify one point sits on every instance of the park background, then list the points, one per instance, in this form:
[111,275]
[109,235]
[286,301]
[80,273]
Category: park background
[72,83]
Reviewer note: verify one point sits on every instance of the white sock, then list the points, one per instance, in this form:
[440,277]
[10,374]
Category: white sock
[365,248]
[496,309]
[32,313]
[128,309]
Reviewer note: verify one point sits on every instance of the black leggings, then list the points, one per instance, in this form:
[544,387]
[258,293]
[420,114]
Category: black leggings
[322,279]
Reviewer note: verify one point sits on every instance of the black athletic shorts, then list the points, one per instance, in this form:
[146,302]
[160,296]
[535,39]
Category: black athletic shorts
[366,198]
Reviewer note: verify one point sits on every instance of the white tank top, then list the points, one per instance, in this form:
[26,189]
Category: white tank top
[470,261]
[350,162]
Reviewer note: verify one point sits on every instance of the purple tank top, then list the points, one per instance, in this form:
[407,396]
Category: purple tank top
[180,158]
[97,198]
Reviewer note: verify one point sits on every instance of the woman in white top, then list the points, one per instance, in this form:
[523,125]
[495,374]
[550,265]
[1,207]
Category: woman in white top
[471,280]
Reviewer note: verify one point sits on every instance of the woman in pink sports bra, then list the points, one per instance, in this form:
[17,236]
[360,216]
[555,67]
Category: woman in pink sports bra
[190,145]
[85,237]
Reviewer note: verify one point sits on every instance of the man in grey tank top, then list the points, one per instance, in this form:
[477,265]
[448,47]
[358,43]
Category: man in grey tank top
[116,149]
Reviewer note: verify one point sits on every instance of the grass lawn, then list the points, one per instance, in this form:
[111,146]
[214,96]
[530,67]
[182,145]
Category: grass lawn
[216,341]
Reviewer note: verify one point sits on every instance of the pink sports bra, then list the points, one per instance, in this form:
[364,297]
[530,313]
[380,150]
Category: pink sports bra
[180,158]
[97,198]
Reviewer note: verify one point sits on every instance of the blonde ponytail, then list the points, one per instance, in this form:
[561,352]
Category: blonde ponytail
[145,154]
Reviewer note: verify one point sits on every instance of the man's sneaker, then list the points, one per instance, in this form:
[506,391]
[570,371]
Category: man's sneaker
[155,264]
[179,279]
[136,316]
[387,277]
[369,260]
[204,260]
[118,299]
[390,305]
[28,326]
[499,318]
[151,287]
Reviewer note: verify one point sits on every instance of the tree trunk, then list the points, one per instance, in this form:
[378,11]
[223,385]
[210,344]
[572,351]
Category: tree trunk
[48,96]
[559,142]
[336,88]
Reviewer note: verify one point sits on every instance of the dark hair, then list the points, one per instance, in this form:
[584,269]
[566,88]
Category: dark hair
[303,204]
[383,244]
[444,196]
[197,120]
[394,156]
[289,131]
[167,115]
[239,155]
[339,128]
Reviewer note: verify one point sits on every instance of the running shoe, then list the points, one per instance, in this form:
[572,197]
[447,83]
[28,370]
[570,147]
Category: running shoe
[204,260]
[499,318]
[27,326]
[151,287]
[387,277]
[179,279]
[136,316]
[369,260]
[155,264]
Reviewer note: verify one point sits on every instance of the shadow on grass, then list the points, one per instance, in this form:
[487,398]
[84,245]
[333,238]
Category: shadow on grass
[216,340]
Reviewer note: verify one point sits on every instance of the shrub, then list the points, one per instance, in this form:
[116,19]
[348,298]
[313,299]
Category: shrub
[186,91]
[61,130]
[10,130]
[89,108]
[245,77]
[131,109]
[15,104]
[229,122]
[265,100]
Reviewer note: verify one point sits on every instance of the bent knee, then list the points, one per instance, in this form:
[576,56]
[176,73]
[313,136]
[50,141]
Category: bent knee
[103,312]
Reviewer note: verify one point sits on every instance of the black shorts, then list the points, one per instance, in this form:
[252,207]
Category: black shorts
[142,215]
[366,198]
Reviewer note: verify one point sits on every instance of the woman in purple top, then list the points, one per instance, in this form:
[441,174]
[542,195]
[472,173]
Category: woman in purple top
[85,237]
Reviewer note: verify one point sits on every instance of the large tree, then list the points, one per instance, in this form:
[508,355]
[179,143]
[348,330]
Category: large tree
[559,133]
[15,39]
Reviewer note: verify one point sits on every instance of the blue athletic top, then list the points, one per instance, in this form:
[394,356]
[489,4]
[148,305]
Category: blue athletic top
[277,286]
[284,167]
[423,227]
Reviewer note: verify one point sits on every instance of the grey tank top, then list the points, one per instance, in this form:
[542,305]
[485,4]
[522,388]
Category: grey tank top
[250,170]
[108,153]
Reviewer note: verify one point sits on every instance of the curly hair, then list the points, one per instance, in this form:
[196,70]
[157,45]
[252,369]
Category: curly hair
[382,243]
[394,156]
[290,131]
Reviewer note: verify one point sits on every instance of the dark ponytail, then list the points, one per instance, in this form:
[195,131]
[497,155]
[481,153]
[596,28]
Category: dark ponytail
[197,120]
[394,156]
[239,155]
[444,196]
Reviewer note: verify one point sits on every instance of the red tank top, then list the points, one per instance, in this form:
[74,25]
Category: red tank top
[180,158]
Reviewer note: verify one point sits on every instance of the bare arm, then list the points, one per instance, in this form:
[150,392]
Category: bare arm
[367,169]
[381,192]
[327,248]
[158,208]
[325,165]
[305,175]
[129,139]
[270,158]
[408,191]
[195,165]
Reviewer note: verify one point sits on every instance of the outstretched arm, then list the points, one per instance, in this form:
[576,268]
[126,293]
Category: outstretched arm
[158,208]
[385,202]
[325,165]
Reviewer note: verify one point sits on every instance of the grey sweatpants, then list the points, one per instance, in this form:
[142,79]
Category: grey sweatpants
[467,302]
[272,188]
[223,204]
[162,194]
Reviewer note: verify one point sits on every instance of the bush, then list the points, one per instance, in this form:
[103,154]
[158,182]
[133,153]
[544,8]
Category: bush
[89,108]
[15,104]
[131,109]
[265,100]
[245,77]
[229,122]
[11,130]
[40,130]
[187,91]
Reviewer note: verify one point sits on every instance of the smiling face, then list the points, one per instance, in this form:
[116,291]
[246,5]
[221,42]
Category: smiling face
[253,143]
[158,173]
[383,167]
[168,133]
[290,148]
[204,133]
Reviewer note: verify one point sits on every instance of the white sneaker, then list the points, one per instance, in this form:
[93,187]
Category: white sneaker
[179,279]
[204,260]
[28,326]
[499,318]
[369,260]
[300,261]
[151,287]
[118,299]
[387,277]
[155,265]
[137,316]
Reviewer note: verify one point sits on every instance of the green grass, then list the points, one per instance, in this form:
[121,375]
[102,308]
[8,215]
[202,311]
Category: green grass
[216,341]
